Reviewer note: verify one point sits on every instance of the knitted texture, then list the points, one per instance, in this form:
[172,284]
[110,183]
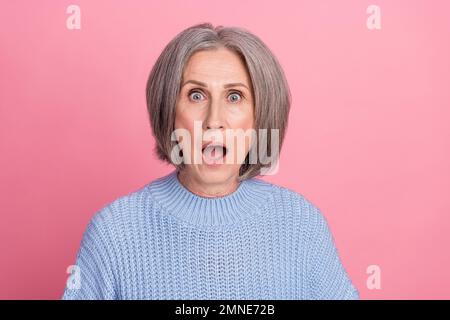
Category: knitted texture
[262,241]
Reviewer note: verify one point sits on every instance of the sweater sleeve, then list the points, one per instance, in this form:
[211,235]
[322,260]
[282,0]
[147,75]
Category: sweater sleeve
[92,276]
[327,276]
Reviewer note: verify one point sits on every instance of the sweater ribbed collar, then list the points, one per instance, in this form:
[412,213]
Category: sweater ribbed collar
[242,204]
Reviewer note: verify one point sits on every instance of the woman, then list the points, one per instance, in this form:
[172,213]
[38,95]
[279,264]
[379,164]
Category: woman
[210,229]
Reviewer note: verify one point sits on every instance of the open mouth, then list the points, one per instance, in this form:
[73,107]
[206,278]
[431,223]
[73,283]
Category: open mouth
[214,153]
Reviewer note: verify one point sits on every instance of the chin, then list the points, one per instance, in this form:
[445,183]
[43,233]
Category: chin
[216,174]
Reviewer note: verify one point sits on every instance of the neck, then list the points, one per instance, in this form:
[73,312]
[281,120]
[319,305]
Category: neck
[207,190]
[243,203]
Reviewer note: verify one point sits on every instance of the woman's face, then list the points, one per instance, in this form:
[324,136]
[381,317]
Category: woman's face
[216,90]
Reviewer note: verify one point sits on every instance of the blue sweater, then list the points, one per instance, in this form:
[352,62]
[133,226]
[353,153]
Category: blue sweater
[262,241]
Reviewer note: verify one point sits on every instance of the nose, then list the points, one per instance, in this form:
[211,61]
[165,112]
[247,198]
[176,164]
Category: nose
[214,119]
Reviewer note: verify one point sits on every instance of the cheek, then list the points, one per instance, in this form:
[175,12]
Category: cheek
[242,120]
[186,114]
[183,118]
[246,116]
[247,124]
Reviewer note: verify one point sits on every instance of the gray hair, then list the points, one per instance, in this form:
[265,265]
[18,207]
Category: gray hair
[271,91]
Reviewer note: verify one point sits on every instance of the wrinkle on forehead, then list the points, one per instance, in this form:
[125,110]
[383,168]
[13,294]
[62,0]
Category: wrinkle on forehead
[217,68]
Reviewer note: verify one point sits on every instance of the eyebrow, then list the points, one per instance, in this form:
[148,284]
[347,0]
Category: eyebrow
[202,84]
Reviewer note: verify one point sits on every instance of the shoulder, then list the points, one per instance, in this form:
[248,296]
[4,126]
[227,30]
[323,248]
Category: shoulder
[308,218]
[122,212]
[294,198]
[301,208]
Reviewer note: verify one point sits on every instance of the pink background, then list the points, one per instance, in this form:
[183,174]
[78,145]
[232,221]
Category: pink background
[368,140]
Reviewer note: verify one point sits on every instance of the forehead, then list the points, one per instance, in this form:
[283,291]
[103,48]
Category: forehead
[216,65]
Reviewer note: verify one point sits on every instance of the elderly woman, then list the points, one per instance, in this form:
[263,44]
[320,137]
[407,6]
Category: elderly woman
[211,229]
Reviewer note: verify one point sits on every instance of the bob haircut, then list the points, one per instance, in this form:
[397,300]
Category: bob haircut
[272,97]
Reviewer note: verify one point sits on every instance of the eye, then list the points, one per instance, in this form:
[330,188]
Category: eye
[195,95]
[235,97]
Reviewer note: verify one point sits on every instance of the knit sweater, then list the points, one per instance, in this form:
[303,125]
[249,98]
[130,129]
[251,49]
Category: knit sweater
[162,241]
